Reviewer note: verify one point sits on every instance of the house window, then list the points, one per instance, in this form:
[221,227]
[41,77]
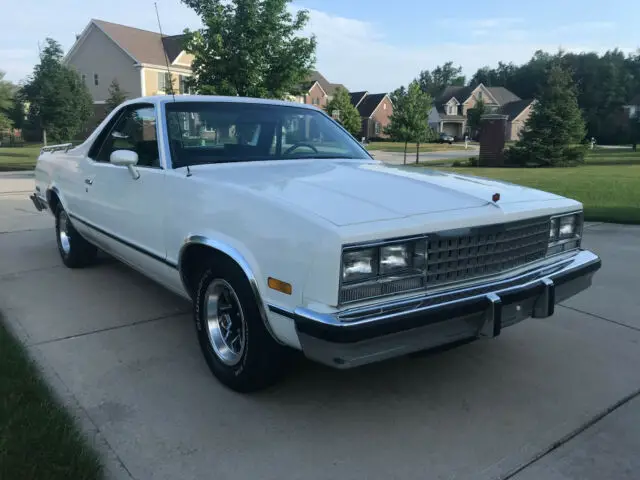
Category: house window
[384,106]
[84,79]
[164,82]
[479,94]
[96,79]
[377,128]
[452,110]
[182,85]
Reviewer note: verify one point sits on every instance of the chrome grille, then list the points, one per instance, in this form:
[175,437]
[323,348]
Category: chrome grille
[466,254]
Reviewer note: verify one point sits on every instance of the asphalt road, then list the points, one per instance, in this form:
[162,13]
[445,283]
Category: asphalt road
[556,398]
[397,158]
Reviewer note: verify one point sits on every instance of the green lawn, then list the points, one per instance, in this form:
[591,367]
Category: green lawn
[19,158]
[411,148]
[38,438]
[610,192]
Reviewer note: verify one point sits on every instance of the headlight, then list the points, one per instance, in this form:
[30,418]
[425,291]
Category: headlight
[372,271]
[394,258]
[359,265]
[565,233]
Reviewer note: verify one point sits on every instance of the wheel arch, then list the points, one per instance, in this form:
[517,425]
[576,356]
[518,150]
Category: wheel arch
[53,199]
[197,245]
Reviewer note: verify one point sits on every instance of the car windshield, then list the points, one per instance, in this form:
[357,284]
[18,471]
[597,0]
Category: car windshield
[221,132]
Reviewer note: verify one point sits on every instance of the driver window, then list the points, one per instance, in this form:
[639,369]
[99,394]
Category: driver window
[135,130]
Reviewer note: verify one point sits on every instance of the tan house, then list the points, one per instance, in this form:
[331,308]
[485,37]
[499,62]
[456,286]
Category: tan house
[136,58]
[450,112]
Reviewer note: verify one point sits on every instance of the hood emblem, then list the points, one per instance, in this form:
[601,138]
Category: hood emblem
[496,197]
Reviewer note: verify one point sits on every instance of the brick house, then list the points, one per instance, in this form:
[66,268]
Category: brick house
[450,112]
[375,110]
[318,90]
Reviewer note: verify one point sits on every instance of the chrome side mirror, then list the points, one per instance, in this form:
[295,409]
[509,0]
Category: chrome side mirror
[126,158]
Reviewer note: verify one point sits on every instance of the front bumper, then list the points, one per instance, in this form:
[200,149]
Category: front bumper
[358,336]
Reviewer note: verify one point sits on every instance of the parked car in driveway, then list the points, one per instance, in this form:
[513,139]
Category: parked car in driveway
[445,138]
[287,235]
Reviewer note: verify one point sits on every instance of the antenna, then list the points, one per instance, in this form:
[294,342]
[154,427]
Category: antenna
[166,57]
[173,92]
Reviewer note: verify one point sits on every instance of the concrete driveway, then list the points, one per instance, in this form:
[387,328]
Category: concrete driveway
[554,398]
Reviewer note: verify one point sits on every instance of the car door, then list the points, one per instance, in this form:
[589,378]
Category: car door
[124,207]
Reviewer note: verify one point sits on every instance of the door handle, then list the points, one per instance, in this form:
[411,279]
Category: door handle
[88,181]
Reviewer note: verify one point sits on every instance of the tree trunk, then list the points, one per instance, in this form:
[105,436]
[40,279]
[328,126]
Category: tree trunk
[418,152]
[405,152]
[44,136]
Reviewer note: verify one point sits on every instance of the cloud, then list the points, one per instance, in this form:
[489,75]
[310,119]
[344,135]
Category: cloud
[479,23]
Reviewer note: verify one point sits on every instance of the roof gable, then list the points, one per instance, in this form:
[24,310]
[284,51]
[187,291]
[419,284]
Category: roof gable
[370,103]
[327,86]
[357,97]
[142,45]
[514,109]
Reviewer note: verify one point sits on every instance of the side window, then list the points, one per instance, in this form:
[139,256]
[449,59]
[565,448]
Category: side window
[134,130]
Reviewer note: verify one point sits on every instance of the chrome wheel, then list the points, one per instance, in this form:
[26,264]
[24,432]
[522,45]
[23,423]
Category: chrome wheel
[63,233]
[226,325]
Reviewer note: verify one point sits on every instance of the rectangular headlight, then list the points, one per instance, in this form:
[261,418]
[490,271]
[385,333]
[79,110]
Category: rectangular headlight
[383,269]
[359,265]
[568,226]
[394,258]
[564,233]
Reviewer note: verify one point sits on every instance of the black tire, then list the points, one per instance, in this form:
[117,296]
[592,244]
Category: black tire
[75,251]
[262,361]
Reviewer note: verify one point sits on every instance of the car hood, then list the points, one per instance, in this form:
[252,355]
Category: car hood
[350,192]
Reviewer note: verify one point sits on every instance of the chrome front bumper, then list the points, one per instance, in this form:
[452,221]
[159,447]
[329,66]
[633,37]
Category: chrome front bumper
[358,336]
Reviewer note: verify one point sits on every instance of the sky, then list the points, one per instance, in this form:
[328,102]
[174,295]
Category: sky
[374,45]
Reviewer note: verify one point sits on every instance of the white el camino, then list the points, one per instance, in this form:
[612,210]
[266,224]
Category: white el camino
[287,235]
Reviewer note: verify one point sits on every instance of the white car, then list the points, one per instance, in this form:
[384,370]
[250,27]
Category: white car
[287,235]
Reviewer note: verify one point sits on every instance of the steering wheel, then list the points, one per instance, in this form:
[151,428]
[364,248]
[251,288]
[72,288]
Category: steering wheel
[300,144]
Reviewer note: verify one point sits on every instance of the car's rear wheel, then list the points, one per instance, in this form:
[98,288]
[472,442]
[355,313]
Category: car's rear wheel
[75,251]
[239,350]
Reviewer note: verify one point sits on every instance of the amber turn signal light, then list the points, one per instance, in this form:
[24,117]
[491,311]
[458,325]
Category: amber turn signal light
[280,286]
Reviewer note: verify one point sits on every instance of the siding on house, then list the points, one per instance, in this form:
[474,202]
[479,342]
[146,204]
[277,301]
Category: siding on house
[316,96]
[151,81]
[514,128]
[99,55]
[381,118]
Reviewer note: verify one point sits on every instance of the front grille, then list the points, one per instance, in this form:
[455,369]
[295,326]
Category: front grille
[457,256]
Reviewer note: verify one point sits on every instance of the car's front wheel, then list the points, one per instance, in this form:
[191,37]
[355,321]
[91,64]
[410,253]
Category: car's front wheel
[74,250]
[239,350]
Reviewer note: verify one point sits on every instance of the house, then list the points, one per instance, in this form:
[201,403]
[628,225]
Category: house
[137,58]
[451,108]
[375,110]
[317,90]
[633,108]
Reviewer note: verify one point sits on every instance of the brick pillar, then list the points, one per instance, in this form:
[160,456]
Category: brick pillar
[493,129]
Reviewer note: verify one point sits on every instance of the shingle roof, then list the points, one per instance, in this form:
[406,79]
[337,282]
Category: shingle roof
[502,95]
[356,97]
[144,46]
[513,109]
[327,86]
[635,100]
[368,105]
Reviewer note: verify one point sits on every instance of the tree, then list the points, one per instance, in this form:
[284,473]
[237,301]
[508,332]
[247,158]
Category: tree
[116,95]
[436,81]
[634,130]
[555,130]
[398,128]
[6,103]
[473,116]
[58,99]
[344,111]
[249,48]
[410,118]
